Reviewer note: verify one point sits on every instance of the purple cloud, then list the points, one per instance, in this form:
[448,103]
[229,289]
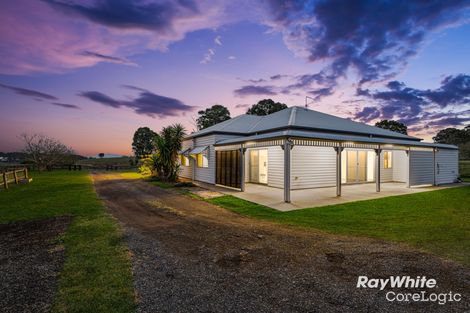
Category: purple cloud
[147,103]
[254,90]
[95,31]
[153,16]
[107,58]
[29,92]
[408,104]
[66,105]
[375,39]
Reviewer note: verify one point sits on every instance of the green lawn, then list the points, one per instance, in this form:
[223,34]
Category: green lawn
[436,221]
[96,276]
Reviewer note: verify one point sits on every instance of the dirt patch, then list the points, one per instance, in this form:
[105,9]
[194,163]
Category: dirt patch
[30,262]
[206,259]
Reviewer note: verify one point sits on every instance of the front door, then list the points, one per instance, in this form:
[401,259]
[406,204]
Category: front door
[357,166]
[259,166]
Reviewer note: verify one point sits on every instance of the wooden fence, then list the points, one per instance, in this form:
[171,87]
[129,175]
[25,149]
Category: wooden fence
[14,176]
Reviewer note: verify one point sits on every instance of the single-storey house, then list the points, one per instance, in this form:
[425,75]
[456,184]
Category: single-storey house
[298,148]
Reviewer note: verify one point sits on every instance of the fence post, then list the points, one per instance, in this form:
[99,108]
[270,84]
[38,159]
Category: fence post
[16,177]
[5,181]
[26,173]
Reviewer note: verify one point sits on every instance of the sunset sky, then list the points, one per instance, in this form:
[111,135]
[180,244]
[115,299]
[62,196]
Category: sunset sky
[89,73]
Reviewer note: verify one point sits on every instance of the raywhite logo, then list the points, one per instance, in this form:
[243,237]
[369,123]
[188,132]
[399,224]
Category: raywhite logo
[395,282]
[408,282]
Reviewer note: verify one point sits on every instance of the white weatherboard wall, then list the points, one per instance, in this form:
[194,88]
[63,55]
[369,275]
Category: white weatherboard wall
[186,171]
[205,174]
[421,167]
[447,166]
[400,166]
[386,174]
[312,167]
[276,167]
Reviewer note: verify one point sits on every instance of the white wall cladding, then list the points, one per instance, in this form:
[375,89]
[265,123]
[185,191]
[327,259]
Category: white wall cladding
[276,167]
[386,174]
[186,171]
[344,166]
[313,167]
[206,174]
[400,166]
[421,168]
[447,166]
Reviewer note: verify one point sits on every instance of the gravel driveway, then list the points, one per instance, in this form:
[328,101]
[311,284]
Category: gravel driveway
[191,256]
[30,263]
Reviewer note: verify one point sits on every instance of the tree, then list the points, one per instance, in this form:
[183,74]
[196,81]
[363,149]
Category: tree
[453,136]
[101,155]
[458,137]
[211,116]
[393,126]
[265,107]
[45,152]
[168,143]
[143,142]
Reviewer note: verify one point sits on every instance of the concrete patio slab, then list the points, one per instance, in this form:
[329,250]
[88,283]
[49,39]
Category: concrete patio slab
[309,198]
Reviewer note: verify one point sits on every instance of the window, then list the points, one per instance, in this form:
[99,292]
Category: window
[387,159]
[184,160]
[202,160]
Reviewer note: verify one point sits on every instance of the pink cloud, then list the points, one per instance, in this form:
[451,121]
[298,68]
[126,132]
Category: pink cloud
[38,37]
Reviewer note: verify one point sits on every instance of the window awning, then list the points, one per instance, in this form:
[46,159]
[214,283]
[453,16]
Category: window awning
[184,152]
[199,150]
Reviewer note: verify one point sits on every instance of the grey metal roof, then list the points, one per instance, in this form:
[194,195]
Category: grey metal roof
[297,118]
[237,125]
[330,136]
[184,152]
[198,150]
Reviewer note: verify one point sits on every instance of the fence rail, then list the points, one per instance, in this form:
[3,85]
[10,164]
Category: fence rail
[15,176]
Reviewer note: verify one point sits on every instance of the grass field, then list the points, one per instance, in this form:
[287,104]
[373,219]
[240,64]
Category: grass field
[436,221]
[464,169]
[96,276]
[121,161]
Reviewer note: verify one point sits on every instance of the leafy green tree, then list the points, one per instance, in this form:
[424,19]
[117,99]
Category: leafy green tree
[393,126]
[265,107]
[167,144]
[453,136]
[143,142]
[458,137]
[211,116]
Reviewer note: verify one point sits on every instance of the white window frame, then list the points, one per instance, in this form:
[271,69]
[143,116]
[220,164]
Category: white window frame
[202,161]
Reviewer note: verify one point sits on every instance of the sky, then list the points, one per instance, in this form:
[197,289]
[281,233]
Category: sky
[89,73]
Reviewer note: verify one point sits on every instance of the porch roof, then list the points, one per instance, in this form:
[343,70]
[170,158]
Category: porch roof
[198,150]
[330,137]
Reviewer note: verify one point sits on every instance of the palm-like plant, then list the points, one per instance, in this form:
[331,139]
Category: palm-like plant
[167,145]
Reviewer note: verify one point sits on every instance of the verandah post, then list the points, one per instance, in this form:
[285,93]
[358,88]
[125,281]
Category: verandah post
[434,183]
[338,150]
[377,172]
[287,147]
[242,167]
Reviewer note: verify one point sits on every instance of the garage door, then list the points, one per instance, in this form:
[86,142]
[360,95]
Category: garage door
[228,168]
